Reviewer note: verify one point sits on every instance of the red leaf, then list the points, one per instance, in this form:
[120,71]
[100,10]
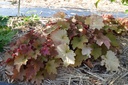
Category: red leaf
[30,72]
[45,51]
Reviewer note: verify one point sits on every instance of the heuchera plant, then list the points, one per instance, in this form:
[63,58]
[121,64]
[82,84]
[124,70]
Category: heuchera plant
[36,55]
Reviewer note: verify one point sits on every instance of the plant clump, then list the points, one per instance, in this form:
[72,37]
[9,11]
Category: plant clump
[6,33]
[36,56]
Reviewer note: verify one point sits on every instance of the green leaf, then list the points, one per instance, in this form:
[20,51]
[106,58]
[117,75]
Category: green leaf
[125,2]
[63,24]
[6,36]
[97,2]
[113,0]
[51,67]
[104,49]
[3,21]
[113,39]
[126,11]
[79,41]
[79,57]
[80,18]
[96,52]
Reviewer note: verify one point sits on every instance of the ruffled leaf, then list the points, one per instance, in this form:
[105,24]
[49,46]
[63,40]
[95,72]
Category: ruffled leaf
[101,39]
[79,58]
[66,54]
[95,22]
[86,50]
[78,42]
[96,52]
[51,67]
[60,36]
[110,61]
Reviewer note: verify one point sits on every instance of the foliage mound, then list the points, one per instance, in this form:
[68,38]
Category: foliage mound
[66,42]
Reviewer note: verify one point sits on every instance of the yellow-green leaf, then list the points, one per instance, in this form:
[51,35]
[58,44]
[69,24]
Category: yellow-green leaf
[96,4]
[63,24]
[79,57]
[113,39]
[96,52]
[51,67]
[79,42]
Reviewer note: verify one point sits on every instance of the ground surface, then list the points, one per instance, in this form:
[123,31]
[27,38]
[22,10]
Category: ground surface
[104,5]
[46,8]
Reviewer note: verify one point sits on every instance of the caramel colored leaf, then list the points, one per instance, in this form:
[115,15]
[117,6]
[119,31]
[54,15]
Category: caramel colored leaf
[33,67]
[89,63]
[37,80]
[49,76]
[18,75]
[60,15]
[19,61]
[30,72]
[36,54]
